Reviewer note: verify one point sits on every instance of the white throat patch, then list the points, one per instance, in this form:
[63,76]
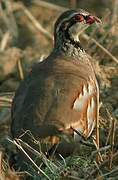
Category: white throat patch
[76,30]
[73,32]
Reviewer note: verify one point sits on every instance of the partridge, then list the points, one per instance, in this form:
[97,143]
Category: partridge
[59,98]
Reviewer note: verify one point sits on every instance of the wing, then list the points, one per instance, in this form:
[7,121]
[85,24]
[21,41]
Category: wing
[87,102]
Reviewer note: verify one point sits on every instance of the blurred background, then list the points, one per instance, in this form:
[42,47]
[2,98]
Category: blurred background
[26,37]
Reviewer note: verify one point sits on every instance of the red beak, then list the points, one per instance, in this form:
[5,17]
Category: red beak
[91,19]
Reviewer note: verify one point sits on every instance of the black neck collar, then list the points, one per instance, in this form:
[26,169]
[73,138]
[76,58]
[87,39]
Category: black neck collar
[76,44]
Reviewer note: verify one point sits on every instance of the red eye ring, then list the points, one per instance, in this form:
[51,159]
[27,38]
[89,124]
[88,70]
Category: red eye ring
[79,17]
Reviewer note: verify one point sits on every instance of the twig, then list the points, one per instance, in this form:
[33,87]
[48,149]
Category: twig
[97,166]
[115,157]
[99,157]
[39,154]
[63,159]
[11,94]
[97,140]
[115,12]
[5,99]
[89,144]
[111,172]
[5,102]
[36,23]
[4,41]
[101,39]
[112,136]
[1,174]
[86,37]
[36,153]
[73,178]
[9,19]
[38,168]
[100,150]
[5,105]
[49,5]
[109,130]
[20,69]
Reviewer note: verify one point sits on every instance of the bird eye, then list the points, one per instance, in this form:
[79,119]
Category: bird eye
[90,19]
[79,17]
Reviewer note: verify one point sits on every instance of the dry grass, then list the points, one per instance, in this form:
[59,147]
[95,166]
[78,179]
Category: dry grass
[21,31]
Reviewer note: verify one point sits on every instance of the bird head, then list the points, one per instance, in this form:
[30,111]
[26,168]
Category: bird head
[72,23]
